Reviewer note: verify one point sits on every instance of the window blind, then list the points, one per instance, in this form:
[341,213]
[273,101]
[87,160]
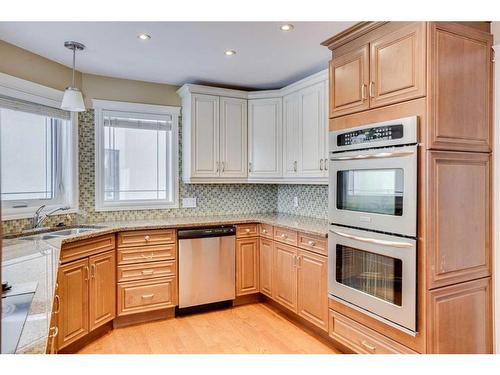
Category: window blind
[130,123]
[39,109]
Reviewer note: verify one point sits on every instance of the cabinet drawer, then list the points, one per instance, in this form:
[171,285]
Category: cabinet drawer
[361,339]
[84,248]
[146,237]
[140,296]
[145,271]
[146,254]
[266,230]
[246,230]
[285,235]
[313,243]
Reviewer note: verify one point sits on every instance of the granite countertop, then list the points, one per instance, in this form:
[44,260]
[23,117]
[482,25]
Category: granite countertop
[30,259]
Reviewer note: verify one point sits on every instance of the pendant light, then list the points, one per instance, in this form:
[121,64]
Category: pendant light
[73,99]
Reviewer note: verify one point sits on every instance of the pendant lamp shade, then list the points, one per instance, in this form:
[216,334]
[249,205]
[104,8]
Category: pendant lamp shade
[73,99]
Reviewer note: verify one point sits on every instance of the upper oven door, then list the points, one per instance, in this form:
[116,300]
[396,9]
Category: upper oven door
[375,189]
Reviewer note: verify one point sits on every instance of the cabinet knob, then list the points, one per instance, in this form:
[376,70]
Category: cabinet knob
[247,230]
[264,231]
[311,243]
[147,238]
[283,235]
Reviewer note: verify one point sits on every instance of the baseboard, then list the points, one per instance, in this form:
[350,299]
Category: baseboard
[148,316]
[95,334]
[248,298]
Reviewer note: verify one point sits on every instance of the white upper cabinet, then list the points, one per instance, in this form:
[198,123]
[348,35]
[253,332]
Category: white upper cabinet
[233,137]
[264,138]
[291,134]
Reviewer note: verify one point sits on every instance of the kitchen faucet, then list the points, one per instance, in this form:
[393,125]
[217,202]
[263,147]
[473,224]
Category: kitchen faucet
[38,218]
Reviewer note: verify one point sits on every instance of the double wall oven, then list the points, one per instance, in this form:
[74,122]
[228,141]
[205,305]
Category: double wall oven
[373,220]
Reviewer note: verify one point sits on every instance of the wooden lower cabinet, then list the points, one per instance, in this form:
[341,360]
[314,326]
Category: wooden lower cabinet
[102,289]
[266,248]
[312,296]
[247,266]
[460,318]
[285,275]
[74,295]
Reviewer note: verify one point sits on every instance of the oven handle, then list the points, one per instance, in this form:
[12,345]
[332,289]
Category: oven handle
[381,155]
[373,240]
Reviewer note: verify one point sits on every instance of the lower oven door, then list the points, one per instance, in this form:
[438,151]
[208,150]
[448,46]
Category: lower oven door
[375,273]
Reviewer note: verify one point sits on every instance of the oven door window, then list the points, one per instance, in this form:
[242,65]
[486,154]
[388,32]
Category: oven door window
[378,191]
[374,274]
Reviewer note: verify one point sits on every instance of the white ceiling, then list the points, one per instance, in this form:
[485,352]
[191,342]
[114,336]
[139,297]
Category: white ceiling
[184,52]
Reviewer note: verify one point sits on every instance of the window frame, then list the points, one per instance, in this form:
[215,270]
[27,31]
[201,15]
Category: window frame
[147,112]
[21,89]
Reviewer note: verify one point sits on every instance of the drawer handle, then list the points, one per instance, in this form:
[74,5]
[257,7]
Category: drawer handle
[368,346]
[147,238]
[56,332]
[247,230]
[311,243]
[264,231]
[147,256]
[283,235]
[58,300]
[148,296]
[147,272]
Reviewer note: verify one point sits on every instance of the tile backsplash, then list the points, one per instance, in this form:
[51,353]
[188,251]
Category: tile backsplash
[211,198]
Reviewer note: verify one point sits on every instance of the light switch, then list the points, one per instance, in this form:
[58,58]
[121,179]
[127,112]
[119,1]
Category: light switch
[189,202]
[295,201]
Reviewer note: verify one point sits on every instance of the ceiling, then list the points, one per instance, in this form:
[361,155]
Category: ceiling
[184,52]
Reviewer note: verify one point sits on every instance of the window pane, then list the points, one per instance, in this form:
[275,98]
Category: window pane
[135,159]
[27,159]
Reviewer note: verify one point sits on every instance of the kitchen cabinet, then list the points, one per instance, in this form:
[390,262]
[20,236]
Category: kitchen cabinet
[291,134]
[102,307]
[265,138]
[247,266]
[266,249]
[285,275]
[388,69]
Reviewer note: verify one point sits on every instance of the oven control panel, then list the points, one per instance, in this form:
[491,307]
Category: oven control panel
[378,133]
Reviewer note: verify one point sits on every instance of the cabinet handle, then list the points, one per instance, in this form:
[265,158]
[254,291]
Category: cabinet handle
[250,167]
[148,296]
[264,231]
[321,164]
[368,346]
[92,271]
[299,261]
[283,235]
[363,92]
[147,272]
[372,89]
[311,243]
[56,332]
[58,304]
[223,167]
[295,260]
[295,166]
[326,164]
[86,273]
[147,238]
[147,256]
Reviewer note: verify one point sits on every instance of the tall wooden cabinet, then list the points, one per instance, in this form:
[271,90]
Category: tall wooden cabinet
[442,73]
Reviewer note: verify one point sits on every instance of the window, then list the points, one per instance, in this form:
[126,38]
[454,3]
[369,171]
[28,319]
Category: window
[37,158]
[136,156]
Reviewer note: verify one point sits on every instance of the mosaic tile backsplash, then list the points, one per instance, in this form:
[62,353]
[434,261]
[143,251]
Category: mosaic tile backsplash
[211,198]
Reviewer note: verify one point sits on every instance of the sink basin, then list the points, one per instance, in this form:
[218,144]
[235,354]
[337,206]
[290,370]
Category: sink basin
[71,231]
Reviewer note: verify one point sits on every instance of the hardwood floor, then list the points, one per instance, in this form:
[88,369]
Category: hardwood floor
[246,329]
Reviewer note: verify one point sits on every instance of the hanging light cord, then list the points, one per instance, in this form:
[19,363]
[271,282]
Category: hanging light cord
[73,75]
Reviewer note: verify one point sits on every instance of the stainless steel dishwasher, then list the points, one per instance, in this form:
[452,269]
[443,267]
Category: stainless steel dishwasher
[206,265]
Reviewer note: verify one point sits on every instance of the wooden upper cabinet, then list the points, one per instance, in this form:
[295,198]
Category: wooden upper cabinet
[285,275]
[397,66]
[74,298]
[460,319]
[266,247]
[102,288]
[459,221]
[247,266]
[349,79]
[460,88]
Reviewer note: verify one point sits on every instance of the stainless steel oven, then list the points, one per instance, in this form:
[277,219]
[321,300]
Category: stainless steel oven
[373,177]
[374,273]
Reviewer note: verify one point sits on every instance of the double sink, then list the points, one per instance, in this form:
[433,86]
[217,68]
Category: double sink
[69,231]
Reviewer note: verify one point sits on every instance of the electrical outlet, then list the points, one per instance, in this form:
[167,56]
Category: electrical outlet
[189,202]
[295,201]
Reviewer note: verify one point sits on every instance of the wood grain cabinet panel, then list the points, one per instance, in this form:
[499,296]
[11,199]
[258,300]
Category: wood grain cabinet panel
[397,66]
[102,288]
[132,255]
[247,266]
[145,271]
[460,318]
[266,230]
[349,79]
[285,275]
[84,248]
[459,212]
[146,237]
[313,243]
[247,230]
[284,235]
[74,296]
[460,92]
[266,247]
[312,299]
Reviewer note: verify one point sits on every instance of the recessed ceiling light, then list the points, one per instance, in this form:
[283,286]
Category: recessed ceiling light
[230,52]
[144,36]
[286,27]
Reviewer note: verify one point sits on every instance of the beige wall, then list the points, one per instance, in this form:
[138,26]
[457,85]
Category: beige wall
[23,64]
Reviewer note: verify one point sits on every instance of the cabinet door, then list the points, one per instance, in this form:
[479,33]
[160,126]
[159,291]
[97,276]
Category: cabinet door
[233,137]
[349,77]
[102,288]
[266,266]
[460,72]
[397,66]
[312,288]
[265,137]
[312,131]
[285,275]
[247,266]
[204,136]
[459,217]
[460,318]
[291,134]
[74,297]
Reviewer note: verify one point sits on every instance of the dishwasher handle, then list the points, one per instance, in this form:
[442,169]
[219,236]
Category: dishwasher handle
[219,231]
